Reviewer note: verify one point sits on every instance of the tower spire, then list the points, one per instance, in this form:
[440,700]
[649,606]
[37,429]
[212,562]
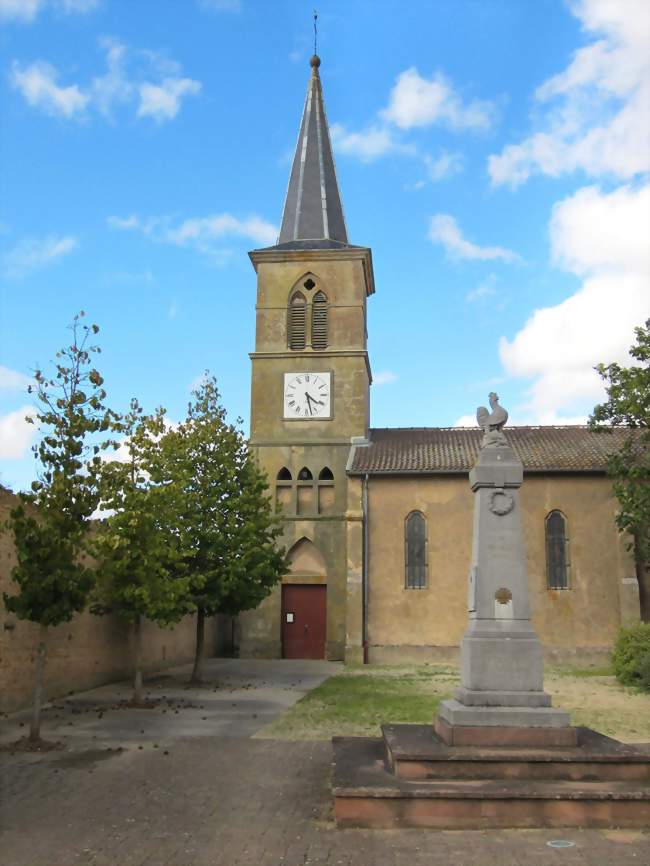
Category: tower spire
[313,209]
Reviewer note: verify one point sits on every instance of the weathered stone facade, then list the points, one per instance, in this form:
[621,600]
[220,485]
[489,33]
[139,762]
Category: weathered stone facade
[316,510]
[428,624]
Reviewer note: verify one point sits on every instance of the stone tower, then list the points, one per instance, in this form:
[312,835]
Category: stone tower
[309,400]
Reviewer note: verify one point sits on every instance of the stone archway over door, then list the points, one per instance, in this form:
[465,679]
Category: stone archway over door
[304,620]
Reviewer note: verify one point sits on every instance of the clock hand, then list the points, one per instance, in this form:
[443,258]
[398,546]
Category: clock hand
[313,400]
[308,402]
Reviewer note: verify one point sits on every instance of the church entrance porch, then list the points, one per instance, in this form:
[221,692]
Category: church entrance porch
[304,620]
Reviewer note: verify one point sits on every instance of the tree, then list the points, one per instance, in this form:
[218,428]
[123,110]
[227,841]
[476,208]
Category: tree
[50,524]
[628,404]
[136,546]
[227,525]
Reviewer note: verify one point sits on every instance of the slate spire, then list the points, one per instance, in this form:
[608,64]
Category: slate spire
[313,209]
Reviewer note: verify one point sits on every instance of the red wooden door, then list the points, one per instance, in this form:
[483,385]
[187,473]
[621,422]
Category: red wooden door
[304,617]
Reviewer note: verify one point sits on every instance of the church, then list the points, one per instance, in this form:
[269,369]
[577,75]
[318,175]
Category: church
[378,522]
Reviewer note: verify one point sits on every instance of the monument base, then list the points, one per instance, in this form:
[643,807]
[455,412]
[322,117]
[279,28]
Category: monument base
[412,778]
[460,725]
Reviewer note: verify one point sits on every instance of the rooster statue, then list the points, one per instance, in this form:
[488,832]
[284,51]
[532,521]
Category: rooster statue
[492,422]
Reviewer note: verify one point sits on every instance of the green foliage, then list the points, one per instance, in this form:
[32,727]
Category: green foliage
[631,655]
[137,545]
[628,403]
[226,523]
[50,524]
[644,672]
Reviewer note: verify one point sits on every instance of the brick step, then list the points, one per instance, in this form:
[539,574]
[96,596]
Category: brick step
[415,752]
[367,794]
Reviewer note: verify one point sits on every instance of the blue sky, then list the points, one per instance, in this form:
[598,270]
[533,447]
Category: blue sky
[493,153]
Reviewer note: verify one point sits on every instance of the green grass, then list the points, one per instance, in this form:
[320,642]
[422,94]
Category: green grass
[361,698]
[358,701]
[581,673]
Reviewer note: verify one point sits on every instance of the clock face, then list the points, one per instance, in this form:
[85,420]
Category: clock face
[307,395]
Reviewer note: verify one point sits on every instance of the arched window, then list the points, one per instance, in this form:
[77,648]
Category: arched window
[325,474]
[319,321]
[557,551]
[284,474]
[297,326]
[415,549]
[305,475]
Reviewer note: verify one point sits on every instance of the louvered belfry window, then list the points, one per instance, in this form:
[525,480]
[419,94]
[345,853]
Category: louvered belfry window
[557,551]
[319,321]
[298,321]
[416,551]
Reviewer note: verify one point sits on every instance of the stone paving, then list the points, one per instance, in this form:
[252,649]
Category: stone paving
[202,800]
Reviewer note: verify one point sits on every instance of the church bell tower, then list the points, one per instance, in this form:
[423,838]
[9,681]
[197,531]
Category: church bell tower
[310,399]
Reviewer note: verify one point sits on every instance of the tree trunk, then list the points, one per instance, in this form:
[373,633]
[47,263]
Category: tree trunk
[35,726]
[137,661]
[643,578]
[197,673]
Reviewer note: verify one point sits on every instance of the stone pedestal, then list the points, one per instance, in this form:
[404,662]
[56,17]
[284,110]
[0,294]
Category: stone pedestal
[501,693]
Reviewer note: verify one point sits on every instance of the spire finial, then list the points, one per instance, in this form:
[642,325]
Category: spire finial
[315,60]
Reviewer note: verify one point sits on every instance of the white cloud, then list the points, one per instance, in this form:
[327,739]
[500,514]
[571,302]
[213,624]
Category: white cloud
[197,382]
[417,102]
[12,380]
[596,116]
[199,232]
[37,83]
[485,289]
[145,78]
[445,165]
[16,434]
[20,10]
[125,223]
[163,101]
[369,144]
[465,421]
[32,253]
[221,5]
[519,420]
[27,10]
[604,239]
[80,6]
[592,231]
[444,230]
[113,87]
[384,377]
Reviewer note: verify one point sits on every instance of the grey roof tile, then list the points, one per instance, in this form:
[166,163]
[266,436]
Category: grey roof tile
[404,450]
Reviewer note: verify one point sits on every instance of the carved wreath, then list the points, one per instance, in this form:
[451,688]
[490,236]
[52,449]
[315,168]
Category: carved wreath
[501,502]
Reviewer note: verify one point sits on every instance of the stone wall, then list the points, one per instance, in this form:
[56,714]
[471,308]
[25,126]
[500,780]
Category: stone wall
[89,650]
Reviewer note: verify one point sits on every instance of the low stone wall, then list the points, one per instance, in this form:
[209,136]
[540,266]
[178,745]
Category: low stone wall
[89,650]
[443,655]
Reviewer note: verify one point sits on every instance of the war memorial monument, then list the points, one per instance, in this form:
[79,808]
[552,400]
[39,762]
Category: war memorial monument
[498,754]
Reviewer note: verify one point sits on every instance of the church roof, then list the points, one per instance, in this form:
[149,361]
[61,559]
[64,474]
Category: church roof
[414,450]
[313,209]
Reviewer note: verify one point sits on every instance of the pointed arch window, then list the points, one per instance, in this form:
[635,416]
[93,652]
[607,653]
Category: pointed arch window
[305,475]
[284,474]
[326,474]
[557,551]
[415,550]
[297,321]
[319,321]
